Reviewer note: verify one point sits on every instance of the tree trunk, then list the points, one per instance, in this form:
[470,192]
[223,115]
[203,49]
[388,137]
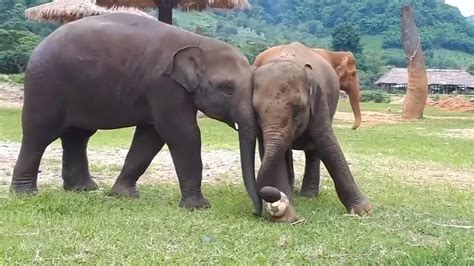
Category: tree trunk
[165,10]
[417,90]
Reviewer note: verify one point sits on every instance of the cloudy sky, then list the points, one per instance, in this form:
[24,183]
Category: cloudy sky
[465,6]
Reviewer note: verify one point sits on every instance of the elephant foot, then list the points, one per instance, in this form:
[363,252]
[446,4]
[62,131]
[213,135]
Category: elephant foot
[23,187]
[278,205]
[309,193]
[87,184]
[362,208]
[194,202]
[119,190]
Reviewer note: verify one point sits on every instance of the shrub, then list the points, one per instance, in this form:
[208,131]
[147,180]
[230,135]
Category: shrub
[435,97]
[374,96]
[17,78]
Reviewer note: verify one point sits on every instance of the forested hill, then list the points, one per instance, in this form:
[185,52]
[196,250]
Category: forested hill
[442,26]
[471,19]
[372,25]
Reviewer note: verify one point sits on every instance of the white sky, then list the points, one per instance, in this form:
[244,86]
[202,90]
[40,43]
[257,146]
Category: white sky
[465,6]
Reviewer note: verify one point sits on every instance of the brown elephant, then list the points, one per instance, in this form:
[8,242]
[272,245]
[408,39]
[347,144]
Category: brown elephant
[344,64]
[346,68]
[295,97]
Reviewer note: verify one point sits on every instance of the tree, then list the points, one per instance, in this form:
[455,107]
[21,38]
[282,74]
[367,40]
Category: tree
[346,37]
[470,69]
[417,90]
[15,49]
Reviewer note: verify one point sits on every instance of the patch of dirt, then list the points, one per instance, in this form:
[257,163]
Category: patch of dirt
[449,103]
[459,133]
[224,166]
[369,118]
[106,164]
[221,165]
[453,103]
[397,99]
[11,95]
[415,172]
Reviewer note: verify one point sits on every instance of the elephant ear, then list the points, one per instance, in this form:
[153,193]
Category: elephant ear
[312,83]
[185,67]
[341,69]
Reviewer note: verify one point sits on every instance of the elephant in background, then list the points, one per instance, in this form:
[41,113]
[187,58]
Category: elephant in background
[296,92]
[344,64]
[120,70]
[346,68]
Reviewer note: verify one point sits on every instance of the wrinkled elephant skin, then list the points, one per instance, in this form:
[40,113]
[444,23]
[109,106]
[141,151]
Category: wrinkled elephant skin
[120,70]
[344,64]
[295,97]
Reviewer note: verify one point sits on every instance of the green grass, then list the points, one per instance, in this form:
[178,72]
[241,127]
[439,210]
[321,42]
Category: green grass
[423,140]
[92,228]
[411,224]
[344,106]
[373,43]
[13,78]
[214,135]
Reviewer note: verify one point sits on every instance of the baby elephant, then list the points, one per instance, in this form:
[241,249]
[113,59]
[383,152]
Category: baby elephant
[295,96]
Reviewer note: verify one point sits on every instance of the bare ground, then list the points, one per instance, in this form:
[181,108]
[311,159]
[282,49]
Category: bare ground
[224,166]
[459,133]
[11,95]
[221,165]
[369,118]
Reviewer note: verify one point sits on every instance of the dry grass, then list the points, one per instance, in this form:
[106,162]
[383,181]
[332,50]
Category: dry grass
[64,11]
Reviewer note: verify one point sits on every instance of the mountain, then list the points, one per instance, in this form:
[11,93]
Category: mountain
[447,36]
[471,19]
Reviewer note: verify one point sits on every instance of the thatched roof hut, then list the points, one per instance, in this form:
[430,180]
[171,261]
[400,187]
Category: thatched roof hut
[64,11]
[185,5]
[437,78]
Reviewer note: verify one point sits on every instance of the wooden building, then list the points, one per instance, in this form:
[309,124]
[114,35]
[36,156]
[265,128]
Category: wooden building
[444,81]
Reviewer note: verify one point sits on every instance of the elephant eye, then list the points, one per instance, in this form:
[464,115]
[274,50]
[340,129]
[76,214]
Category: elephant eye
[297,111]
[227,88]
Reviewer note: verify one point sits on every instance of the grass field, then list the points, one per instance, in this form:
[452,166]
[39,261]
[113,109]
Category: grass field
[373,45]
[416,220]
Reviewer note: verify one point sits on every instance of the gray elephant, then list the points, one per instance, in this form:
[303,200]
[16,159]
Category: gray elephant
[120,70]
[295,97]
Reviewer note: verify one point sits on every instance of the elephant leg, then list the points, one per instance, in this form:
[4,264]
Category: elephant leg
[75,167]
[291,171]
[145,145]
[336,164]
[183,137]
[25,172]
[311,178]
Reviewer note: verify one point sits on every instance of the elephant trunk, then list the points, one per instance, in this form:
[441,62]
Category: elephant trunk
[354,96]
[247,128]
[274,169]
[273,179]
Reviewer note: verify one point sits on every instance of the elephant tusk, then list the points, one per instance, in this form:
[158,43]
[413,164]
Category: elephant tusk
[236,126]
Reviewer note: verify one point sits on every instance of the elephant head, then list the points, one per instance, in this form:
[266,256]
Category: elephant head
[346,68]
[283,102]
[219,78]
